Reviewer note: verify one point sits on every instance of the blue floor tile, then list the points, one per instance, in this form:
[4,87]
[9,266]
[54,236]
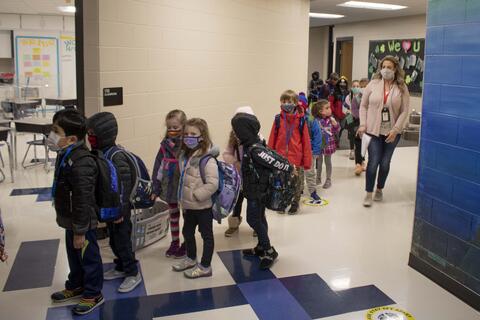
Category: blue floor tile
[271,300]
[244,269]
[320,301]
[34,265]
[44,197]
[30,191]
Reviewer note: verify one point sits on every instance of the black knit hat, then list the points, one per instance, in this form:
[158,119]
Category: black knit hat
[105,127]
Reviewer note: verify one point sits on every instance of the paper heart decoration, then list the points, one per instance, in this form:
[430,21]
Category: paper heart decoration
[406,45]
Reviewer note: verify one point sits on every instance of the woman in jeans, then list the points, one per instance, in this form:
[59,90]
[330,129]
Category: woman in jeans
[383,112]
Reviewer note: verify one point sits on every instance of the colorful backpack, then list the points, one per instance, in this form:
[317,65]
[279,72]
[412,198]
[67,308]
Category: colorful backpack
[140,198]
[229,185]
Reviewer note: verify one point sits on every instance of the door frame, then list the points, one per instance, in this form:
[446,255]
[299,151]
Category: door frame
[338,42]
[79,58]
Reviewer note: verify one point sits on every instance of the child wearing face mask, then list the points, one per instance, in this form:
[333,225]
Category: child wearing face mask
[195,197]
[73,193]
[291,140]
[166,177]
[323,114]
[352,103]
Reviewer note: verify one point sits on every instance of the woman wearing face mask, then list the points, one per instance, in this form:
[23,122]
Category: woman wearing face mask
[166,176]
[195,197]
[383,112]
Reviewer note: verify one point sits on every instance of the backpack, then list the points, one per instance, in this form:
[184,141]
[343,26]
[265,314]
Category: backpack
[140,198]
[229,185]
[108,193]
[281,186]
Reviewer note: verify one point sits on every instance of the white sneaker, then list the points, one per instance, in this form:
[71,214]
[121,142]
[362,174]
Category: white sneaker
[378,196]
[198,272]
[113,274]
[368,201]
[352,155]
[130,283]
[184,264]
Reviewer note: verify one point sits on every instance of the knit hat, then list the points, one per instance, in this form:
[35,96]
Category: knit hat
[302,100]
[245,109]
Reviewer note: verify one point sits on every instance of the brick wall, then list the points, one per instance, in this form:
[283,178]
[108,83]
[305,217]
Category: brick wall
[447,217]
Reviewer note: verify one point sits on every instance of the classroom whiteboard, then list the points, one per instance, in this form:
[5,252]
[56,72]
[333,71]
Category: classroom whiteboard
[68,81]
[37,63]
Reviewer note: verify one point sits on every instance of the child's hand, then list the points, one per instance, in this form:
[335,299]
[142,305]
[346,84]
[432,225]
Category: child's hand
[153,196]
[334,122]
[361,130]
[295,171]
[78,241]
[3,254]
[120,220]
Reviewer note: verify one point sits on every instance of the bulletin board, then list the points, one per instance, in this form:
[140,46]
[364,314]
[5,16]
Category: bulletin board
[410,54]
[68,81]
[37,63]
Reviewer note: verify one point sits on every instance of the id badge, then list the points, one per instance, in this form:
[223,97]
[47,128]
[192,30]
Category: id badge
[385,115]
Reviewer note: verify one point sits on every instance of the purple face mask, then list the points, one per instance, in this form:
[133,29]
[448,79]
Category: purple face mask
[192,142]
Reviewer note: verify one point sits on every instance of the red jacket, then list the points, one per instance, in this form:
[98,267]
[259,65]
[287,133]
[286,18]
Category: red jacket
[337,107]
[299,151]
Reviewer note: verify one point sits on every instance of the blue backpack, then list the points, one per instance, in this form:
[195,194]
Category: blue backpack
[229,185]
[140,198]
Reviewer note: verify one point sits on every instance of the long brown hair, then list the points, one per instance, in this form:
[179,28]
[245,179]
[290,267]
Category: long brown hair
[176,113]
[399,78]
[206,142]
[318,106]
[232,141]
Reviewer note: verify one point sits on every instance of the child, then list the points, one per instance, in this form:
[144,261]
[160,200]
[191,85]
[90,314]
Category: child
[102,130]
[257,164]
[316,142]
[73,194]
[323,114]
[166,176]
[3,253]
[353,104]
[292,141]
[195,197]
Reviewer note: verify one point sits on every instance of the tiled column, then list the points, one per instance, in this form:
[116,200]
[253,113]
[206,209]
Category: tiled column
[446,236]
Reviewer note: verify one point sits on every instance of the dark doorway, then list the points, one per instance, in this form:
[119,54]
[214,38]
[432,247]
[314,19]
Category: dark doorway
[344,57]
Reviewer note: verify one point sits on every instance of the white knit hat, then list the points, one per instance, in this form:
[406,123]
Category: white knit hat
[245,109]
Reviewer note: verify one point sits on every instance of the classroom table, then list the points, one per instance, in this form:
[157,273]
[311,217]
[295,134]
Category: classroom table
[19,105]
[6,131]
[61,101]
[35,126]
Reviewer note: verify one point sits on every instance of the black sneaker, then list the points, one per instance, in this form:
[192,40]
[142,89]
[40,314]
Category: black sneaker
[254,252]
[293,208]
[268,259]
[88,305]
[66,295]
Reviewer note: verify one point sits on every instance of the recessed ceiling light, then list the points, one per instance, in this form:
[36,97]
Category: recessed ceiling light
[371,5]
[67,9]
[325,15]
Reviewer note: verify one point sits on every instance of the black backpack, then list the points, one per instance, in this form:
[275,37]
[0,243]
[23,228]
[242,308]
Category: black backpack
[281,185]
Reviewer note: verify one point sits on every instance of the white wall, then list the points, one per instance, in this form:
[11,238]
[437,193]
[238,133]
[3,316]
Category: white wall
[363,32]
[318,51]
[205,57]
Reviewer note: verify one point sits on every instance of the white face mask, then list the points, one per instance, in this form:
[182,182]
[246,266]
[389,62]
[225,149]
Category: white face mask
[52,141]
[387,74]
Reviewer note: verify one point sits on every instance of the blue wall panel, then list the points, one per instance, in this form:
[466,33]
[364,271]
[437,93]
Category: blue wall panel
[446,232]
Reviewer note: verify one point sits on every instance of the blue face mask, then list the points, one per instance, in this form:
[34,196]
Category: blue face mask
[356,90]
[192,142]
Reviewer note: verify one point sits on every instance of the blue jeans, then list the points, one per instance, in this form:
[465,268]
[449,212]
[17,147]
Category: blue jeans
[379,156]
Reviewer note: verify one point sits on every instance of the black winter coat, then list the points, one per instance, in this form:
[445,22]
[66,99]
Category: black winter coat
[74,197]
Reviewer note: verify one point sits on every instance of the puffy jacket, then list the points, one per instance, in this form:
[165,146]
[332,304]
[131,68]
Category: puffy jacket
[233,156]
[105,127]
[337,107]
[166,173]
[193,194]
[74,184]
[299,149]
[315,135]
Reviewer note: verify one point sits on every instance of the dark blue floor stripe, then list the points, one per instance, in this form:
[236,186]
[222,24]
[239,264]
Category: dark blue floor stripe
[161,305]
[34,265]
[244,269]
[271,300]
[320,301]
[44,197]
[30,191]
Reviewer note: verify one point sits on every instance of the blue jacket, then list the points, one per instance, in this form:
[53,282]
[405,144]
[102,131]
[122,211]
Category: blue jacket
[315,135]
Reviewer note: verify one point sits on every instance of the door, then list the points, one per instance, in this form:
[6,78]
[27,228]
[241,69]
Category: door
[344,58]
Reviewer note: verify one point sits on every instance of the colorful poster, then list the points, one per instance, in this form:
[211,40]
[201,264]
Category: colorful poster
[37,63]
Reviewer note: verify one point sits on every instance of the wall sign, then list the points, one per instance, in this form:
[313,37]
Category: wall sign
[112,96]
[410,54]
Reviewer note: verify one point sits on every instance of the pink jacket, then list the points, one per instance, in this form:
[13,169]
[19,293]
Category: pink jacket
[372,105]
